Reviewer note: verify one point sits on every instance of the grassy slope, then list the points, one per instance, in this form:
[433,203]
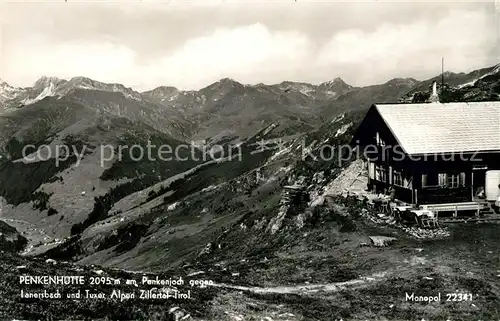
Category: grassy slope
[179,190]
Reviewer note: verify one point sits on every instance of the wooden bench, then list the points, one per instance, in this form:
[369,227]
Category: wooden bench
[454,207]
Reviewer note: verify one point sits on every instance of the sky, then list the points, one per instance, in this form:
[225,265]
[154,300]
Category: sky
[191,44]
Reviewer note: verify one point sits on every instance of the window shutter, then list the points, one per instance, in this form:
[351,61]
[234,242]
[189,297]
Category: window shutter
[442,179]
[408,182]
[372,170]
[462,179]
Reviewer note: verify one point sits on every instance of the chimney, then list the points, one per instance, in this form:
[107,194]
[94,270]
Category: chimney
[434,98]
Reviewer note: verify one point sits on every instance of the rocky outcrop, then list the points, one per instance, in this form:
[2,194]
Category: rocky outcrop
[382,241]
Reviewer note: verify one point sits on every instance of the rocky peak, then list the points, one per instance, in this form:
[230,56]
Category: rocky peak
[230,83]
[334,87]
[301,87]
[223,85]
[87,83]
[227,80]
[163,90]
[335,83]
[82,80]
[162,93]
[7,91]
[336,80]
[45,81]
[449,73]
[4,83]
[402,82]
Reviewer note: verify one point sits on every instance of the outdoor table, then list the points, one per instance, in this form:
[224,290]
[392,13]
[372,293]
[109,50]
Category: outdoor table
[421,215]
[423,212]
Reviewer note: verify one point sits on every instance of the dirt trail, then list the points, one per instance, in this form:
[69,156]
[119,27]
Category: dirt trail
[309,289]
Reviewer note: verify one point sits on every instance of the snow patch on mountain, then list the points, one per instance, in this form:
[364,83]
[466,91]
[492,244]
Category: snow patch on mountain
[495,70]
[127,92]
[50,90]
[55,87]
[470,83]
[304,89]
[269,129]
[8,92]
[338,118]
[343,129]
[334,85]
[280,153]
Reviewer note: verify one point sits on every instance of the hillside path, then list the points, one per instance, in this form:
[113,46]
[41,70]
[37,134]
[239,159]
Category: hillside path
[309,289]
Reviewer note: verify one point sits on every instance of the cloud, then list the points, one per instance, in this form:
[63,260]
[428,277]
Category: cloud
[243,52]
[101,60]
[146,50]
[462,37]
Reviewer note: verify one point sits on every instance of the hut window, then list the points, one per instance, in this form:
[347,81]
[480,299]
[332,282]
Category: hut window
[455,180]
[398,178]
[380,141]
[381,174]
[432,179]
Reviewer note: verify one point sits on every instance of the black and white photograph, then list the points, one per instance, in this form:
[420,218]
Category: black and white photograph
[237,160]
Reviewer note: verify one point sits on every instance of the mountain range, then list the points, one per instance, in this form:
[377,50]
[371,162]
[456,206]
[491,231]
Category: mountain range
[226,108]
